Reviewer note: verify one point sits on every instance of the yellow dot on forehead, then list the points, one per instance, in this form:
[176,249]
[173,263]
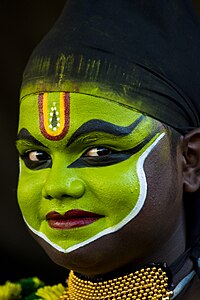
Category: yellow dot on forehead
[54,115]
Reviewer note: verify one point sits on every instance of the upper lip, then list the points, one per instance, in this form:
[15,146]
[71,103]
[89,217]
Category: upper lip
[71,214]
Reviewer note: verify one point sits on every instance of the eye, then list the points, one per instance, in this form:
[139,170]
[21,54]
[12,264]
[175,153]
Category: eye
[99,156]
[37,156]
[98,152]
[37,159]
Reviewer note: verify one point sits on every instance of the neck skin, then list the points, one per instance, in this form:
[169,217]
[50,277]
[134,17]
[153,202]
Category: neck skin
[171,251]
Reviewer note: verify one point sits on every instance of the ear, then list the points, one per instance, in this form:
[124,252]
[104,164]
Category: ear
[191,160]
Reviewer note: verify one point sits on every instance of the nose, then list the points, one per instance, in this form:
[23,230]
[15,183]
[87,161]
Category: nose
[61,189]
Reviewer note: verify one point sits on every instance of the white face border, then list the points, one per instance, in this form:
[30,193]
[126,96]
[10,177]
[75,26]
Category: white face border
[135,211]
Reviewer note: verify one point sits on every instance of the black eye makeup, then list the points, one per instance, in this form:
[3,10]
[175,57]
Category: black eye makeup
[36,159]
[101,156]
[96,154]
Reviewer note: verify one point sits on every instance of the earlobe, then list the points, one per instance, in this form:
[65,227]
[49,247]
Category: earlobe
[191,160]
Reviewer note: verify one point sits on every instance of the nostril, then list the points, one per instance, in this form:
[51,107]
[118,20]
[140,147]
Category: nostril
[64,196]
[48,197]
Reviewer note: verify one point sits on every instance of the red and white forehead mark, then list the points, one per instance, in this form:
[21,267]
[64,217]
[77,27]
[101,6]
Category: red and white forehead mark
[54,114]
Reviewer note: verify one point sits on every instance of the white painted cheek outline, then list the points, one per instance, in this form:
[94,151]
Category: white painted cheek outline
[128,218]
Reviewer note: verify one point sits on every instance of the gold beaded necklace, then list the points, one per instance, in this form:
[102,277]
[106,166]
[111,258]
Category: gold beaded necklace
[145,284]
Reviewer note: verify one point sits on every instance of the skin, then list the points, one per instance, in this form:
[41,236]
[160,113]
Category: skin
[109,190]
[68,240]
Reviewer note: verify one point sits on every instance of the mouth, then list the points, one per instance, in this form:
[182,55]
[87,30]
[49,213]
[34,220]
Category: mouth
[71,219]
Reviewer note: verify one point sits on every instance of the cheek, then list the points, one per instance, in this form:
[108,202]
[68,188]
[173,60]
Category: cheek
[29,196]
[161,173]
[164,190]
[114,190]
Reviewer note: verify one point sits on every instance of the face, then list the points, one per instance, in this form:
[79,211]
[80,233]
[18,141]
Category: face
[88,179]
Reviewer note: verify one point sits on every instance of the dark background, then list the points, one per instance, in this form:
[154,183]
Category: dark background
[23,23]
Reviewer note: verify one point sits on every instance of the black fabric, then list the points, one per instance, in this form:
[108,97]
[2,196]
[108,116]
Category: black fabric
[145,52]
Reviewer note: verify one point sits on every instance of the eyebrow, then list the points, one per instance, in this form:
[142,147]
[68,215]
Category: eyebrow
[94,125]
[97,125]
[25,135]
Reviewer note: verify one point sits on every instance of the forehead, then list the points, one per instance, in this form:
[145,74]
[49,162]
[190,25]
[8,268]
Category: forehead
[84,105]
[54,115]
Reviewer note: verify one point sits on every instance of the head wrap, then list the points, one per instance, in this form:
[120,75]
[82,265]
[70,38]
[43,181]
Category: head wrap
[144,54]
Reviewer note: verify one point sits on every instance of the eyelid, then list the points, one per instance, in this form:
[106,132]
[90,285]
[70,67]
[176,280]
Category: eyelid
[99,146]
[115,151]
[113,143]
[25,150]
[28,144]
[109,147]
[88,140]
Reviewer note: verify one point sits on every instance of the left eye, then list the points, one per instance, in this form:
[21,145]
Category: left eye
[97,152]
[37,155]
[99,156]
[36,160]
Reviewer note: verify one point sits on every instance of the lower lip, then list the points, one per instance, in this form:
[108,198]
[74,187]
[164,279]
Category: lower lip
[71,223]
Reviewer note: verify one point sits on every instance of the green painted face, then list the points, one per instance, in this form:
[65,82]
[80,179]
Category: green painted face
[81,161]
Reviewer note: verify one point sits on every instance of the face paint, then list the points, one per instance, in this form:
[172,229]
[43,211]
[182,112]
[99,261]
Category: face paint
[115,190]
[54,115]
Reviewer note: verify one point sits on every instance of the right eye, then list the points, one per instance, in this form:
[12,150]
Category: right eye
[37,160]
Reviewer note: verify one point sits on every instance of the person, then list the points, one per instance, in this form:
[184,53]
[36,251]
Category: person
[109,145]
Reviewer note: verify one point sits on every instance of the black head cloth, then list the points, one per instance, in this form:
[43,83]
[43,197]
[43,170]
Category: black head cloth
[144,54]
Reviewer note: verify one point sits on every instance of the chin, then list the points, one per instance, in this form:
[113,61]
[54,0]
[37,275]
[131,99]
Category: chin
[90,260]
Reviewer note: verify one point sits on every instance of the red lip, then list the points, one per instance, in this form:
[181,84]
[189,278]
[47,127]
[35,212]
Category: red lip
[71,219]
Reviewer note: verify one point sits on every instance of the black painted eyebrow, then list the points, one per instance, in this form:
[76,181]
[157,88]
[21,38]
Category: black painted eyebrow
[25,135]
[103,126]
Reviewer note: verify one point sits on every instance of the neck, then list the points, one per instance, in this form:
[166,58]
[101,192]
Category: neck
[136,282]
[152,281]
[170,251]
